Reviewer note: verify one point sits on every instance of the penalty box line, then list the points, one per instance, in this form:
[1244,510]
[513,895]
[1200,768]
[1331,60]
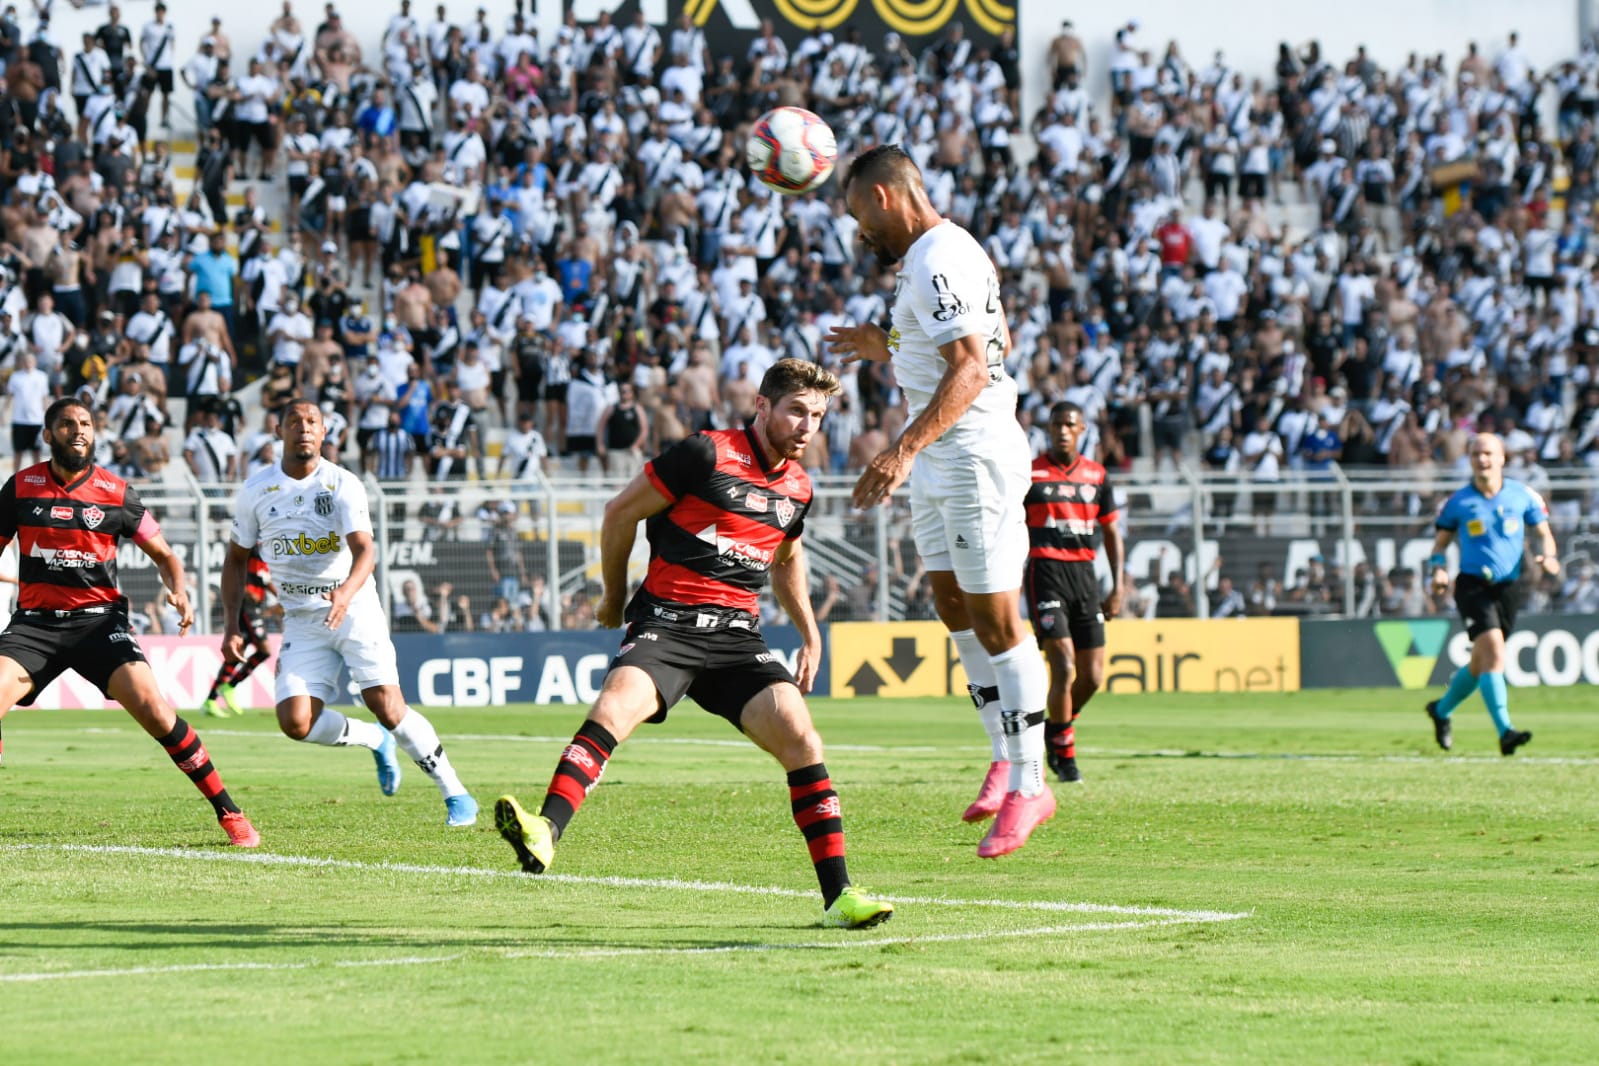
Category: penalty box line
[664,883]
[845,942]
[1136,917]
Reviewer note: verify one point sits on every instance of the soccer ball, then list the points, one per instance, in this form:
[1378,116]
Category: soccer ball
[791,150]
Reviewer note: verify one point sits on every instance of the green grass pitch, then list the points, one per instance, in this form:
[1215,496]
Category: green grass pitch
[1240,879]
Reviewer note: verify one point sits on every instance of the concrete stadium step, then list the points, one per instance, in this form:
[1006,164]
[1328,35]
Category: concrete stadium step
[272,196]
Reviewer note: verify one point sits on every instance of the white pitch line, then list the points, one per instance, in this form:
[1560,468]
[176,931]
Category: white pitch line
[668,884]
[1140,917]
[962,749]
[846,942]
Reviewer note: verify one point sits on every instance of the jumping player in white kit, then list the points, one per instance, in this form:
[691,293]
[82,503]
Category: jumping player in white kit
[310,518]
[967,460]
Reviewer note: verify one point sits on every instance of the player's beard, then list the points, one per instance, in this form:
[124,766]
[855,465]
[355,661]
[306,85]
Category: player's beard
[67,459]
[885,258]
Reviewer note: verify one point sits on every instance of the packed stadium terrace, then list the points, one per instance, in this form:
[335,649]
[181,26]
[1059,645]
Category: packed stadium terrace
[481,252]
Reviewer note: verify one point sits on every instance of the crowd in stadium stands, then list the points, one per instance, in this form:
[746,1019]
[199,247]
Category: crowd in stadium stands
[555,242]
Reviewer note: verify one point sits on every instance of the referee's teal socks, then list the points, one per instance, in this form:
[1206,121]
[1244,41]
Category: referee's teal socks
[1461,686]
[1497,697]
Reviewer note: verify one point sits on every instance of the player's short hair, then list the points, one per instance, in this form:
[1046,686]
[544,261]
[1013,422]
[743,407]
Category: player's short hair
[886,164]
[307,404]
[1064,408]
[788,376]
[53,414]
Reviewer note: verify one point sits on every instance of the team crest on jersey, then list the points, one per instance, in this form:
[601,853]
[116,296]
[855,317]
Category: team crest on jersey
[93,516]
[1088,493]
[755,502]
[784,511]
[324,503]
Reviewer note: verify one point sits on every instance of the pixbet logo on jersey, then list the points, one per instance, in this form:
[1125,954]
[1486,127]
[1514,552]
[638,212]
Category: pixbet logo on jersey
[305,544]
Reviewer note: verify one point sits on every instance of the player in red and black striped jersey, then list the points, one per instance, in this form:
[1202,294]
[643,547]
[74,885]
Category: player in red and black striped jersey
[723,510]
[67,517]
[1069,504]
[258,587]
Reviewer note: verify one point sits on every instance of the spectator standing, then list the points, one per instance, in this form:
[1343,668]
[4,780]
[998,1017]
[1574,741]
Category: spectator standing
[211,453]
[30,392]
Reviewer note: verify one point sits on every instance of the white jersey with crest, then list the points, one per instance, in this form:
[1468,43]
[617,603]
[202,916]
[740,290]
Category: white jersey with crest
[303,527]
[946,291]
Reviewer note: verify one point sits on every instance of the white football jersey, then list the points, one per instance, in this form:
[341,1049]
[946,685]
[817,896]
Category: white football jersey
[303,528]
[946,291]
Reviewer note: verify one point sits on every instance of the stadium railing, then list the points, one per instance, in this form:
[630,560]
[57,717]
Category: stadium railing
[536,544]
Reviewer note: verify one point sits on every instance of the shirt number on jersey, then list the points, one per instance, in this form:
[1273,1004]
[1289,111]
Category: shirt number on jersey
[949,306]
[996,340]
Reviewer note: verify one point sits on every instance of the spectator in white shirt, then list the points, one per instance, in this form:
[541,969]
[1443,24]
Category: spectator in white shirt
[289,330]
[29,390]
[210,452]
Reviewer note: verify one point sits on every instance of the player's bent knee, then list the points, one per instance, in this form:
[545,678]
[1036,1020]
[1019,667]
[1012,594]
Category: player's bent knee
[295,718]
[627,698]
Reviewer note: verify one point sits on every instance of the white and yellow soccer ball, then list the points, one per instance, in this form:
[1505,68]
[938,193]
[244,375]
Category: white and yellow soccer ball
[791,150]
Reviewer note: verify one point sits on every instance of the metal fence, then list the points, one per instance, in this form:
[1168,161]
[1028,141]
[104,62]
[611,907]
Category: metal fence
[507,556]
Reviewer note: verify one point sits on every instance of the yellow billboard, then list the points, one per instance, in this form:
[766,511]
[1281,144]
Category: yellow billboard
[1169,655]
[890,659]
[1190,655]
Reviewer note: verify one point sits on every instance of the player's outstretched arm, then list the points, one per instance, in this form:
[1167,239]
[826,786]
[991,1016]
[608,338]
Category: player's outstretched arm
[619,529]
[1438,562]
[965,376]
[791,585]
[855,343]
[171,567]
[234,566]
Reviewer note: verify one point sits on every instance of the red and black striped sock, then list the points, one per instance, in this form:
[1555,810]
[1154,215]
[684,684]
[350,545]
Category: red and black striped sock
[1061,737]
[817,813]
[183,745]
[580,769]
[246,668]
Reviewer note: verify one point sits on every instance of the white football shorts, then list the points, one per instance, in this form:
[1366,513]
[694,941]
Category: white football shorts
[968,515]
[311,655]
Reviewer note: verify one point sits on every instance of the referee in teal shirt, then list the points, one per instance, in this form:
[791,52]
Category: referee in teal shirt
[1489,518]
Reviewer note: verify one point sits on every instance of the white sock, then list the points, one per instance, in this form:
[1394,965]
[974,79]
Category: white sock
[417,738]
[1023,693]
[336,731]
[980,675]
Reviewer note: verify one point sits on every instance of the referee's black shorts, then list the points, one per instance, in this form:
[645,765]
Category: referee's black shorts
[94,644]
[719,669]
[1063,601]
[1485,605]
